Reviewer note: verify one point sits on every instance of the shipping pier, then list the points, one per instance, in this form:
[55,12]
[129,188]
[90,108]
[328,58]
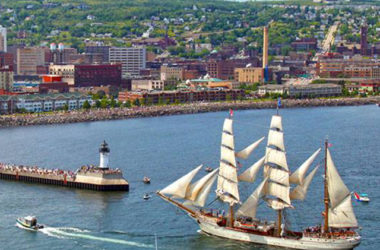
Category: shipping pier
[97,178]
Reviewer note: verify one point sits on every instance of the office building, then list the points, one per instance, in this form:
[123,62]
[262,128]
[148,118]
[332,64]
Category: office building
[132,59]
[28,59]
[3,39]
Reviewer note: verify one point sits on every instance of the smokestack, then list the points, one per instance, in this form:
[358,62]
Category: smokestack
[265,48]
[265,55]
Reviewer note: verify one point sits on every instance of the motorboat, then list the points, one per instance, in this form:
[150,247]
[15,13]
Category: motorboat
[29,223]
[146,196]
[146,180]
[361,197]
[208,169]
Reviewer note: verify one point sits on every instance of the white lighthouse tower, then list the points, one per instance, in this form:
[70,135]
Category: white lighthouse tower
[104,151]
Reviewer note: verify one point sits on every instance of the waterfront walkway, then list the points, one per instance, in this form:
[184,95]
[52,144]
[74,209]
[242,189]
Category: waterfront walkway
[36,171]
[150,111]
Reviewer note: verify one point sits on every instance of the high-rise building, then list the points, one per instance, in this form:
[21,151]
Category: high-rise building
[28,59]
[3,39]
[6,79]
[104,51]
[132,59]
[363,40]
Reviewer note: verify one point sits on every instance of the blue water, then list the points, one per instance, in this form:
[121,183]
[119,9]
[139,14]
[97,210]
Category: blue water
[165,148]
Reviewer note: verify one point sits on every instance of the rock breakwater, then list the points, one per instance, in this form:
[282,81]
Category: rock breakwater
[150,111]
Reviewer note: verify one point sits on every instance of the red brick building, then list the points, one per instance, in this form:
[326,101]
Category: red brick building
[6,60]
[183,96]
[224,69]
[305,44]
[97,75]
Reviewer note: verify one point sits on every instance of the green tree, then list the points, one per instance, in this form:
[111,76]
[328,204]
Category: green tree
[65,107]
[128,104]
[97,104]
[137,102]
[113,103]
[101,94]
[86,105]
[104,103]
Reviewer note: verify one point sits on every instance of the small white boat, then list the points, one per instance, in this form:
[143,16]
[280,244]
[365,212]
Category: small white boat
[29,223]
[146,196]
[146,180]
[361,197]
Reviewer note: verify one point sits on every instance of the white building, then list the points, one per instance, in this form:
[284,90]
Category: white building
[132,59]
[147,85]
[66,71]
[3,39]
[42,102]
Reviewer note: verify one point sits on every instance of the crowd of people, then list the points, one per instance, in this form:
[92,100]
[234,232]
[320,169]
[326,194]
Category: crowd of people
[37,170]
[94,169]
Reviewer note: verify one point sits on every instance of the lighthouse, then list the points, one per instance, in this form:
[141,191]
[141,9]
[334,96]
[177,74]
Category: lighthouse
[104,152]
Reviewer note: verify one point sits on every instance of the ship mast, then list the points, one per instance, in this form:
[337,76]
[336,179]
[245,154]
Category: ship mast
[279,217]
[326,194]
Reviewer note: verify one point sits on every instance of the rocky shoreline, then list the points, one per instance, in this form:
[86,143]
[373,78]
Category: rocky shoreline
[150,111]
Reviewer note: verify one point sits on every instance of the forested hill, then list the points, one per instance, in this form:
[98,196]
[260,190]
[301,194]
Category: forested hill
[118,21]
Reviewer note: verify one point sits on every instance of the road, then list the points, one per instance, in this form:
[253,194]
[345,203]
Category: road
[329,39]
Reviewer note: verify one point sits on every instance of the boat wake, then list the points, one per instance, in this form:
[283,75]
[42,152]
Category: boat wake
[68,232]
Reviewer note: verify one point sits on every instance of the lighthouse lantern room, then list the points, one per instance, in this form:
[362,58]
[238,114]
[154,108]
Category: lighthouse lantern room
[104,151]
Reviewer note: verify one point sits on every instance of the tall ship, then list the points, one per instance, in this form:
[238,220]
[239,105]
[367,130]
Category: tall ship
[278,189]
[98,178]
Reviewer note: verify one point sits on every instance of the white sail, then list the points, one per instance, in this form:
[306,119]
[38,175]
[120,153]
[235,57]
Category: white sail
[278,175]
[228,140]
[179,187]
[277,190]
[194,189]
[227,155]
[249,175]
[276,122]
[203,194]
[243,154]
[227,126]
[276,168]
[298,176]
[276,138]
[248,208]
[276,157]
[277,204]
[299,192]
[227,187]
[343,215]
[336,187]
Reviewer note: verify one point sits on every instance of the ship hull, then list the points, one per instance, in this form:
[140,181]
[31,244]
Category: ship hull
[302,243]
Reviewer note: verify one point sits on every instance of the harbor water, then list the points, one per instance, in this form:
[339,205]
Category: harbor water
[165,148]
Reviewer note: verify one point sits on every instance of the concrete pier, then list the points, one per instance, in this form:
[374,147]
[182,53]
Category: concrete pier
[86,178]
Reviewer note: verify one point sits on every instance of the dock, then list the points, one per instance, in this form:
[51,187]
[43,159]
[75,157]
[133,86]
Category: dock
[90,178]
[97,178]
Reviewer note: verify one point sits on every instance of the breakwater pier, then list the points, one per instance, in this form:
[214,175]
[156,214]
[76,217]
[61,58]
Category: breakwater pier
[101,178]
[151,111]
[87,177]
